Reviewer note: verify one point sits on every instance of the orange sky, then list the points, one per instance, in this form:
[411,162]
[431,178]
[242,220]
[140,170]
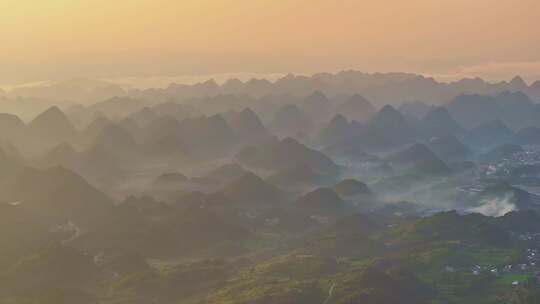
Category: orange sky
[52,39]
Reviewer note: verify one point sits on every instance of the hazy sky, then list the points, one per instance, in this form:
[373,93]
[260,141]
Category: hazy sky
[53,39]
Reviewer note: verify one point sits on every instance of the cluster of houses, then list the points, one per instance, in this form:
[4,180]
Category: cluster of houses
[506,165]
[529,265]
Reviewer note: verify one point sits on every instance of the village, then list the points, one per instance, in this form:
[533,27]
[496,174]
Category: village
[516,274]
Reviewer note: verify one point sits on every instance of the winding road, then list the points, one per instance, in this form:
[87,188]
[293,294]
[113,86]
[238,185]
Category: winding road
[330,294]
[76,232]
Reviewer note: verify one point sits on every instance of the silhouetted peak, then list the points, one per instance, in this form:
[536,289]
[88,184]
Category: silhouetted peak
[145,115]
[227,172]
[388,110]
[249,118]
[249,127]
[63,173]
[53,111]
[352,187]
[301,173]
[64,149]
[289,108]
[514,99]
[250,177]
[320,199]
[417,109]
[418,158]
[250,187]
[53,115]
[438,113]
[388,116]
[173,177]
[317,97]
[338,120]
[53,124]
[290,119]
[512,95]
[96,126]
[414,153]
[113,135]
[209,84]
[163,125]
[446,140]
[336,130]
[439,120]
[233,84]
[247,112]
[99,121]
[357,108]
[359,99]
[217,120]
[518,82]
[10,119]
[257,82]
[290,142]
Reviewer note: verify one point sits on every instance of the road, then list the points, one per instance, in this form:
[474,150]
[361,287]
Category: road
[330,294]
[99,260]
[76,232]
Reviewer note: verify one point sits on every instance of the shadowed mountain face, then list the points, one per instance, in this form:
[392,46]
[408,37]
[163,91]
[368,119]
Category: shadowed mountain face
[290,120]
[527,136]
[473,110]
[514,108]
[144,116]
[62,155]
[297,177]
[317,107]
[55,265]
[53,126]
[338,130]
[227,172]
[177,234]
[286,153]
[251,189]
[56,192]
[391,126]
[94,128]
[418,159]
[171,178]
[352,188]
[115,138]
[449,148]
[208,135]
[415,109]
[12,128]
[489,134]
[322,201]
[249,128]
[439,123]
[10,165]
[387,130]
[357,108]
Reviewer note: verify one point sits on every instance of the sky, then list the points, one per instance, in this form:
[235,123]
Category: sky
[60,39]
